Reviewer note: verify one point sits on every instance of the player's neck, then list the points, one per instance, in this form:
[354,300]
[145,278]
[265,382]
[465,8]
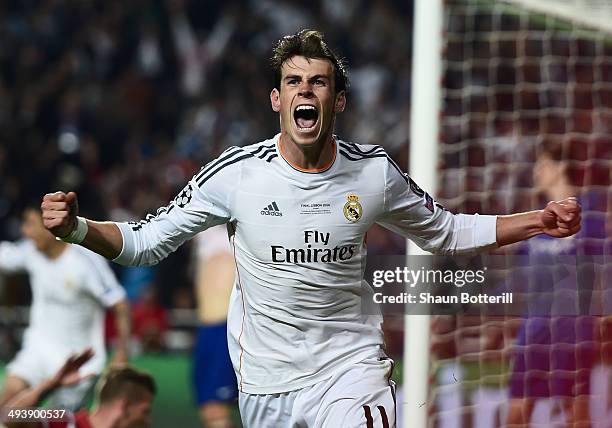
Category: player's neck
[560,190]
[316,157]
[55,249]
[104,418]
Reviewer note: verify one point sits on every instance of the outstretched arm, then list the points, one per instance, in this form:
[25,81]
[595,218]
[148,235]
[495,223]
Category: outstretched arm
[411,212]
[14,256]
[205,201]
[559,219]
[60,211]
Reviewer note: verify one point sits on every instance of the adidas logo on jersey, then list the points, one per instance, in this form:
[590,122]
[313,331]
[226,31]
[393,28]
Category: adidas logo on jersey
[272,209]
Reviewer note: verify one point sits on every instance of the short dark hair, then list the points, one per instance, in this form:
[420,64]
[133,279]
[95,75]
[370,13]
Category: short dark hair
[33,205]
[309,44]
[551,148]
[125,382]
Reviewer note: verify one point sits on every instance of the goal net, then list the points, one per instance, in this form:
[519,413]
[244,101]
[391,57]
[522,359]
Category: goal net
[515,75]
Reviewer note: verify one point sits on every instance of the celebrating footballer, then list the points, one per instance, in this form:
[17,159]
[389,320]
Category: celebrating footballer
[298,207]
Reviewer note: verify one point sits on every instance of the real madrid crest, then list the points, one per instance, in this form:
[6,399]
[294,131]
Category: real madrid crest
[353,209]
[69,283]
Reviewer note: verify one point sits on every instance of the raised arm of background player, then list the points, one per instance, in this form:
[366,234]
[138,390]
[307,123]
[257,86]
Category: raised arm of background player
[121,311]
[67,375]
[208,204]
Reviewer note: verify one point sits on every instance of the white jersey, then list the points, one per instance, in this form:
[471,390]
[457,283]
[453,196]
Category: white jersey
[298,237]
[69,296]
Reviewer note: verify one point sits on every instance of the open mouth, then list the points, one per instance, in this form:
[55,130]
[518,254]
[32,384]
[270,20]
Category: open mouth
[305,117]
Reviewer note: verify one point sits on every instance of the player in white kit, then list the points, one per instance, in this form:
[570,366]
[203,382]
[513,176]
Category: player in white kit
[71,287]
[299,206]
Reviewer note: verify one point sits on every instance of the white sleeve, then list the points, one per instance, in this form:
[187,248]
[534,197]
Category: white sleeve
[413,213]
[203,203]
[99,279]
[14,256]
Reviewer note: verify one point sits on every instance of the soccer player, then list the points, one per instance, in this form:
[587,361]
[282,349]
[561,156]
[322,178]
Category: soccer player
[298,206]
[124,397]
[555,354]
[213,375]
[71,288]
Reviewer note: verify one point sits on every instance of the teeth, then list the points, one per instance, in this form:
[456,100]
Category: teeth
[305,107]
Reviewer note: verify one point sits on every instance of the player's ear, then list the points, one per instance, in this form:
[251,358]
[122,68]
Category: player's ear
[275,100]
[122,405]
[340,102]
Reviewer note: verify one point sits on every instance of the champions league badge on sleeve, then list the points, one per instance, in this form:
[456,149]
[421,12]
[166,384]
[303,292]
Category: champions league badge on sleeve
[183,198]
[429,202]
[353,209]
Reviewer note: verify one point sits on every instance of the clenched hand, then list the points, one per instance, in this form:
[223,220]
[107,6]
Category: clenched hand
[59,212]
[561,218]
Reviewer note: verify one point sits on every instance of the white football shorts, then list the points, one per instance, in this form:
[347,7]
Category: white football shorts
[362,396]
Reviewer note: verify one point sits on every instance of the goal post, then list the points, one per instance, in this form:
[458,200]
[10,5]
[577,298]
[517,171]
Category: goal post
[424,131]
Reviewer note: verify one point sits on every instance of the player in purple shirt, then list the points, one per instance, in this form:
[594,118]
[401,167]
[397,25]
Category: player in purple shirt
[555,349]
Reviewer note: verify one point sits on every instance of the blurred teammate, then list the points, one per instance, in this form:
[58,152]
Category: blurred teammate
[124,397]
[71,288]
[213,374]
[299,206]
[555,353]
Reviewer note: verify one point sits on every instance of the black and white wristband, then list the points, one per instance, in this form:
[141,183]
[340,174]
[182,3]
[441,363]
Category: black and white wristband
[78,233]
